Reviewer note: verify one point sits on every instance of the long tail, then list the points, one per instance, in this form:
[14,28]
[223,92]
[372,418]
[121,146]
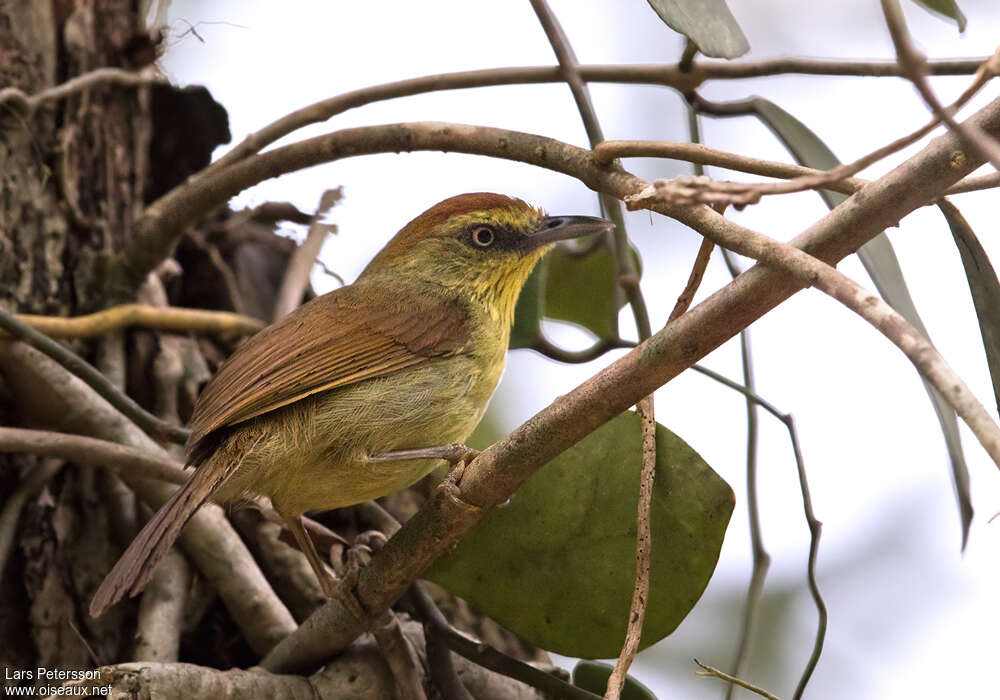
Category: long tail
[135,567]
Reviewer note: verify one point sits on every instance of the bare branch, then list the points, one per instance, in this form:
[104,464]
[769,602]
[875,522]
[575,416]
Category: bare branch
[161,611]
[127,461]
[628,280]
[498,471]
[750,193]
[302,259]
[486,656]
[50,395]
[711,672]
[17,100]
[813,272]
[681,77]
[98,382]
[545,347]
[913,62]
[163,318]
[608,151]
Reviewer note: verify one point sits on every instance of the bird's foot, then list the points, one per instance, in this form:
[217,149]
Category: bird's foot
[454,453]
[342,589]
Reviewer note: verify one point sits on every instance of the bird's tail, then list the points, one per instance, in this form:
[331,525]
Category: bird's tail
[135,567]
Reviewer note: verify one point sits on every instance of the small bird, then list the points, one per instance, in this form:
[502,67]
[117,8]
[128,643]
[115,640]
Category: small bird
[361,391]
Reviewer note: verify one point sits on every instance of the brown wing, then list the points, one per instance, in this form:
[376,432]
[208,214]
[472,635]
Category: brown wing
[349,335]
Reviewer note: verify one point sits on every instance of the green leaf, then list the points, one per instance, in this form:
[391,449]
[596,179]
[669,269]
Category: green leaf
[593,676]
[946,8]
[583,289]
[556,565]
[882,265]
[983,285]
[708,23]
[528,312]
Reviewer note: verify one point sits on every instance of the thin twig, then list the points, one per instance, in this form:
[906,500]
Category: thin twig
[158,429]
[751,192]
[681,77]
[48,394]
[913,62]
[813,272]
[25,104]
[498,471]
[399,656]
[761,558]
[699,154]
[300,263]
[439,661]
[164,318]
[973,184]
[79,449]
[815,527]
[488,657]
[159,228]
[815,530]
[229,281]
[545,347]
[711,672]
[628,279]
[694,279]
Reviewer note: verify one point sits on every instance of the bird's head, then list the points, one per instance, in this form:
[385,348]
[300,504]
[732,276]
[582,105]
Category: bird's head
[481,246]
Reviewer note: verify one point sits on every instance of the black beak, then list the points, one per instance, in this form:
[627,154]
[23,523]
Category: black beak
[561,228]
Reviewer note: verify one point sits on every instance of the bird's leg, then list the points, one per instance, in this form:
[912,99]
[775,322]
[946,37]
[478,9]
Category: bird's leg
[457,454]
[454,453]
[342,590]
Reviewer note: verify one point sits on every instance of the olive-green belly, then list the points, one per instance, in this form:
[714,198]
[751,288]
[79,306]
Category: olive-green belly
[313,455]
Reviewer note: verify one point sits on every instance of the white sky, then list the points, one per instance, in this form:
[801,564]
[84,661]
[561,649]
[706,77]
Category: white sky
[910,616]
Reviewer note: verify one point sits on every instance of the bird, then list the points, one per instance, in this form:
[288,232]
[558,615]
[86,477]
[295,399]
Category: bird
[360,392]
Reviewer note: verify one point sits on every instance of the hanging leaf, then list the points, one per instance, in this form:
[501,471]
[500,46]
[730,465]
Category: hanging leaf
[584,289]
[528,312]
[983,285]
[882,265]
[708,23]
[579,288]
[946,8]
[556,565]
[593,676]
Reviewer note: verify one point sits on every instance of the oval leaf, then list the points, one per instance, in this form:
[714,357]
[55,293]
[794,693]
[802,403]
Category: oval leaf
[583,289]
[882,265]
[528,312]
[945,8]
[556,565]
[593,676]
[708,23]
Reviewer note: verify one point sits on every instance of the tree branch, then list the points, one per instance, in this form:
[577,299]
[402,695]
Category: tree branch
[17,100]
[628,280]
[159,429]
[749,193]
[833,180]
[913,62]
[162,318]
[498,471]
[48,394]
[676,75]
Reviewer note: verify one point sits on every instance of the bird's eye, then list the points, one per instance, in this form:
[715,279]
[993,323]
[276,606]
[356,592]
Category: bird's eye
[483,236]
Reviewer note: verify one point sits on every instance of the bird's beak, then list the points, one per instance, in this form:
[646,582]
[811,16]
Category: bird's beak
[561,228]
